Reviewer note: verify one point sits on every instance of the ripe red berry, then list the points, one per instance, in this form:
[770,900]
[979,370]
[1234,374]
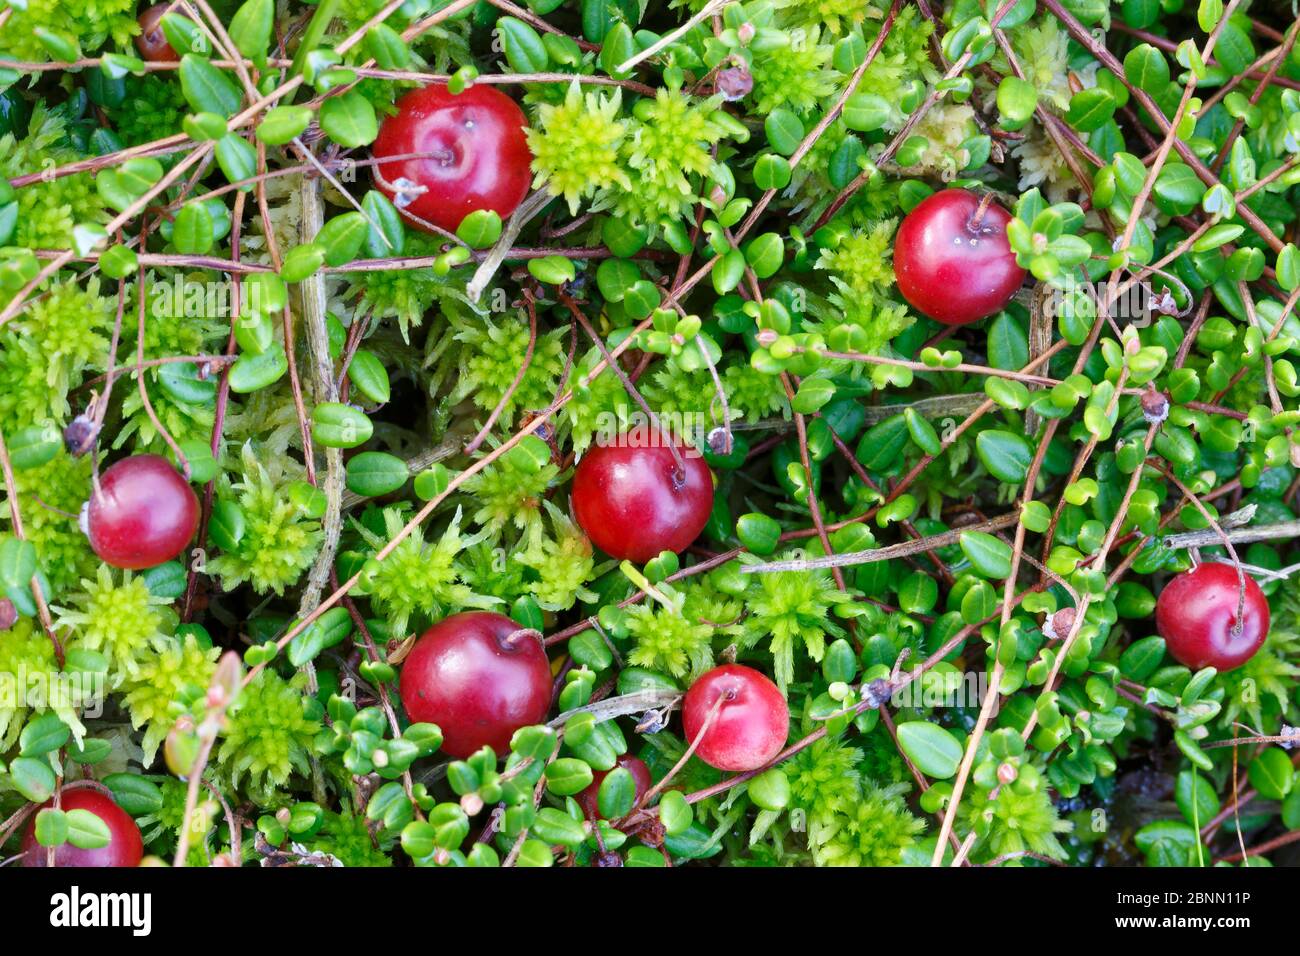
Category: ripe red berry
[1196,614]
[751,724]
[952,259]
[478,155]
[479,677]
[632,500]
[124,845]
[640,778]
[143,513]
[151,41]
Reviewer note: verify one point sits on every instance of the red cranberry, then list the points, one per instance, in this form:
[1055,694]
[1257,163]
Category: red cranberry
[634,502]
[479,677]
[143,513]
[952,259]
[640,778]
[751,724]
[124,846]
[479,157]
[151,41]
[1196,614]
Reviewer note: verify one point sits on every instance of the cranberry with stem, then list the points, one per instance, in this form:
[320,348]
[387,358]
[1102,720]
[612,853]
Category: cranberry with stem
[473,154]
[750,719]
[151,41]
[635,498]
[141,514]
[480,677]
[124,847]
[952,259]
[588,798]
[1200,615]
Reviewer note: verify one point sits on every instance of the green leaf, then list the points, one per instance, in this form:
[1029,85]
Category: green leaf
[1036,516]
[616,794]
[1008,343]
[237,159]
[250,28]
[1272,774]
[368,376]
[117,65]
[784,130]
[535,853]
[387,235]
[42,735]
[934,751]
[33,447]
[866,112]
[1006,455]
[619,47]
[1146,68]
[568,776]
[375,473]
[282,123]
[772,171]
[988,555]
[32,778]
[922,432]
[770,790]
[522,45]
[93,750]
[349,119]
[881,445]
[253,372]
[1141,658]
[1234,50]
[1288,267]
[1017,99]
[552,270]
[206,88]
[556,827]
[342,237]
[813,394]
[759,533]
[675,813]
[386,46]
[166,580]
[135,794]
[765,254]
[183,35]
[192,230]
[336,425]
[227,526]
[17,562]
[86,831]
[301,262]
[1217,236]
[1208,14]
[1090,109]
[418,839]
[480,229]
[59,45]
[1196,798]
[1178,190]
[51,827]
